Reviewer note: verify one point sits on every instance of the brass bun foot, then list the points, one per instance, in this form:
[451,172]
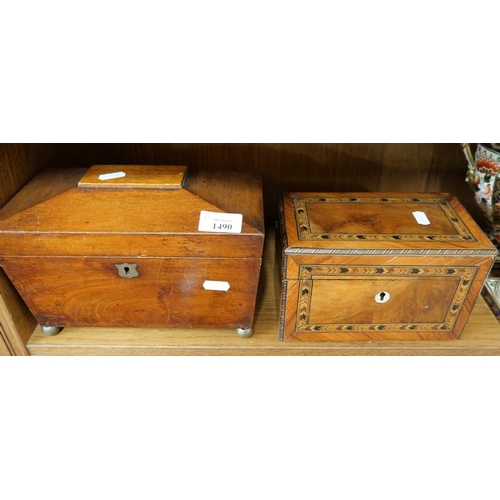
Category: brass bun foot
[244,332]
[50,330]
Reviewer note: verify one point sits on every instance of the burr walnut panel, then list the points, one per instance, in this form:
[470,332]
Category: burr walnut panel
[351,302]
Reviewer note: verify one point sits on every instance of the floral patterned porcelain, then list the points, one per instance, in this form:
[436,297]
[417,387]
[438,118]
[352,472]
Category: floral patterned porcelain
[484,178]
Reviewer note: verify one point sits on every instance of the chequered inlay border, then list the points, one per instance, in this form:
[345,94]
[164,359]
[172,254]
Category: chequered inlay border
[305,234]
[308,273]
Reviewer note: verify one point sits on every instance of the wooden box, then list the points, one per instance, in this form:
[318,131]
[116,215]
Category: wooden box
[121,246]
[379,266]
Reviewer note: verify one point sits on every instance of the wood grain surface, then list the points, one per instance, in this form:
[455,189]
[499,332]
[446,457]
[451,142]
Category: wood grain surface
[136,176]
[5,348]
[481,335]
[16,320]
[18,163]
[344,302]
[167,292]
[232,192]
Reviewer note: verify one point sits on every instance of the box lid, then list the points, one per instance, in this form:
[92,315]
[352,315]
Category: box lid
[133,176]
[131,210]
[380,223]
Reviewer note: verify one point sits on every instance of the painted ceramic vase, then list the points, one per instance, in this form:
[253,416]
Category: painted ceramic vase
[484,178]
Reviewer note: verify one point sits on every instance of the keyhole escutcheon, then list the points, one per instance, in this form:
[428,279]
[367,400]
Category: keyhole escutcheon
[382,297]
[126,270]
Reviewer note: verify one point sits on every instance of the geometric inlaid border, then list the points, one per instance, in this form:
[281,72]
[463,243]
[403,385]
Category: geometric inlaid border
[305,234]
[308,273]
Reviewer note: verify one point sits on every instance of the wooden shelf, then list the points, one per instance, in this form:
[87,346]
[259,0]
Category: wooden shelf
[480,337]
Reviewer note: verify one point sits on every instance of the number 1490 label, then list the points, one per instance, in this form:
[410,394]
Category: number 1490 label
[215,222]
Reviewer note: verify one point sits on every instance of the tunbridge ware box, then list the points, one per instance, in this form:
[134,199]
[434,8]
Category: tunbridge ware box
[136,246]
[379,266]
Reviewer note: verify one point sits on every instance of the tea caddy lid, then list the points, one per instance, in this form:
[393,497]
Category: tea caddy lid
[380,223]
[126,210]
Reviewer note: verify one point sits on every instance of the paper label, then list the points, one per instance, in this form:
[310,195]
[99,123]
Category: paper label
[421,218]
[215,222]
[113,175]
[220,286]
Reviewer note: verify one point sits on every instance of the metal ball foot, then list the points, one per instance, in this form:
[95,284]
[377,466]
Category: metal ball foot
[50,330]
[244,332]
